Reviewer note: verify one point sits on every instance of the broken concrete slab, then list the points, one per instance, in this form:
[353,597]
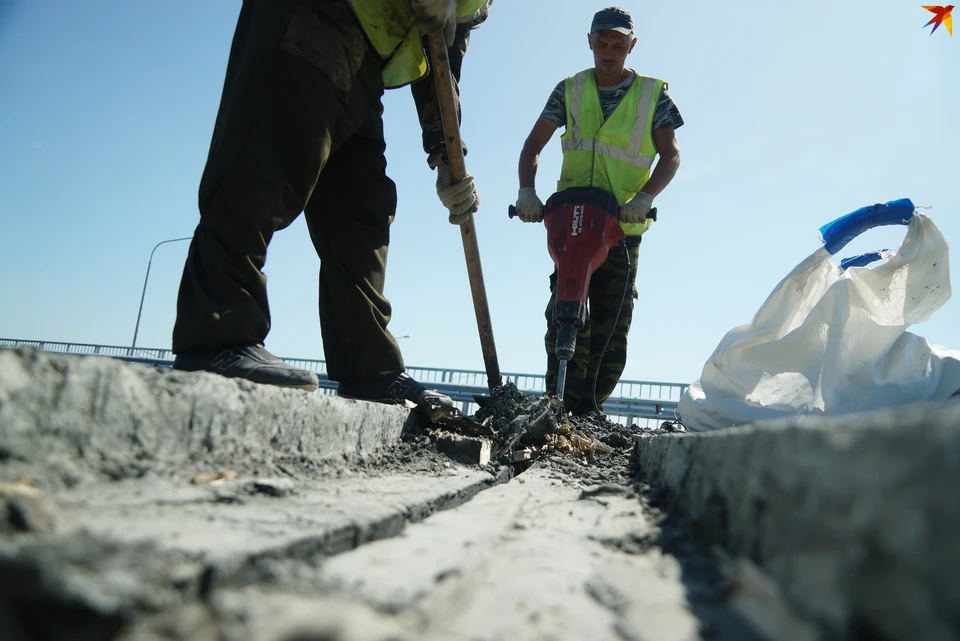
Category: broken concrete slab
[65,419]
[234,522]
[475,450]
[853,516]
[125,550]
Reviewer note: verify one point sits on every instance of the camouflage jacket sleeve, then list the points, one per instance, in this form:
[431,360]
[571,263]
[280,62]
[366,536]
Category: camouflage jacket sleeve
[428,107]
[666,112]
[556,109]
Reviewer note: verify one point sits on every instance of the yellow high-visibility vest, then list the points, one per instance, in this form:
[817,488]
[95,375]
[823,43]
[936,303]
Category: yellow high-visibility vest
[617,154]
[391,26]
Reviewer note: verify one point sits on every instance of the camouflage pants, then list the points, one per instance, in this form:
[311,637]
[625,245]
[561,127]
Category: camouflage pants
[603,301]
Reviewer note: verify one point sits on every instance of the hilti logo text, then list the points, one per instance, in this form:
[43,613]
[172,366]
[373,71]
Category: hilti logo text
[577,219]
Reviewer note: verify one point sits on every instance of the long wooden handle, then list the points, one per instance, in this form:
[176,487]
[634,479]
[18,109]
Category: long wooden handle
[440,65]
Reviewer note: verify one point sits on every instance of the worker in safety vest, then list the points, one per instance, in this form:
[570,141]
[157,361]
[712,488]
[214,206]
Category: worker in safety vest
[616,123]
[300,129]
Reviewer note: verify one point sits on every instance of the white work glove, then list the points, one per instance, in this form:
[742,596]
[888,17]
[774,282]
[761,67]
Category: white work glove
[529,205]
[636,209]
[460,199]
[437,16]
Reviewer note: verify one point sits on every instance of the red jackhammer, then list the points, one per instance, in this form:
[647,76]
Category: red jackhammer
[582,226]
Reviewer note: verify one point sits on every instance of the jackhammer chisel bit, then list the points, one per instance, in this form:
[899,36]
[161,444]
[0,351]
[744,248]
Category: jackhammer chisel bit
[561,378]
[565,346]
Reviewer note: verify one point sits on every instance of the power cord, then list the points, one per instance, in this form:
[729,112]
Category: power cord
[623,297]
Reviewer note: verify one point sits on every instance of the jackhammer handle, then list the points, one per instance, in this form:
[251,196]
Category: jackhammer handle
[652,215]
[512,213]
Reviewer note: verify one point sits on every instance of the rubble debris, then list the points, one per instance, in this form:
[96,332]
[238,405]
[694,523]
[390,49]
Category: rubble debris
[570,440]
[540,418]
[24,508]
[275,487]
[605,489]
[477,450]
[21,488]
[537,422]
[523,455]
[505,404]
[512,419]
[453,420]
[204,478]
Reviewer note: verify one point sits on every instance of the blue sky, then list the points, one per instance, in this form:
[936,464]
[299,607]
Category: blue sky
[796,113]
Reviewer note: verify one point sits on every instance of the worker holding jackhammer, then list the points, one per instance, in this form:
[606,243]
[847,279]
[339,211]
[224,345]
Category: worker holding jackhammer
[300,129]
[616,123]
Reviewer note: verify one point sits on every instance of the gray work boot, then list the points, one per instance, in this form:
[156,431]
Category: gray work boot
[393,388]
[250,362]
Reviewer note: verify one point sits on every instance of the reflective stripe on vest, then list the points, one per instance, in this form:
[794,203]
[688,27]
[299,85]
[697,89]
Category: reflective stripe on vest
[392,29]
[615,154]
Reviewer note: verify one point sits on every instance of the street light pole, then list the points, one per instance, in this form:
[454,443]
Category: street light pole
[144,294]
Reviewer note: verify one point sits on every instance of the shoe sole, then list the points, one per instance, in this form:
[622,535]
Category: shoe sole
[307,387]
[383,401]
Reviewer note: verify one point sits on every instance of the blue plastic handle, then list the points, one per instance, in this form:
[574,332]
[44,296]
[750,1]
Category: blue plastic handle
[862,260]
[838,233]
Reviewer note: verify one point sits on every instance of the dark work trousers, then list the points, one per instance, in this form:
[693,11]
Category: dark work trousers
[605,315]
[300,128]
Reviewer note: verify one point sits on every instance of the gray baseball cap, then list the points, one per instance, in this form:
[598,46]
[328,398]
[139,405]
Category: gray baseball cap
[612,19]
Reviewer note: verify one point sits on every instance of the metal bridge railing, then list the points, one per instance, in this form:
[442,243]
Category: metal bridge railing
[645,403]
[144,353]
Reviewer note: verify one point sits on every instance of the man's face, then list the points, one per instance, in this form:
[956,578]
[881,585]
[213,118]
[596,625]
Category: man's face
[610,49]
